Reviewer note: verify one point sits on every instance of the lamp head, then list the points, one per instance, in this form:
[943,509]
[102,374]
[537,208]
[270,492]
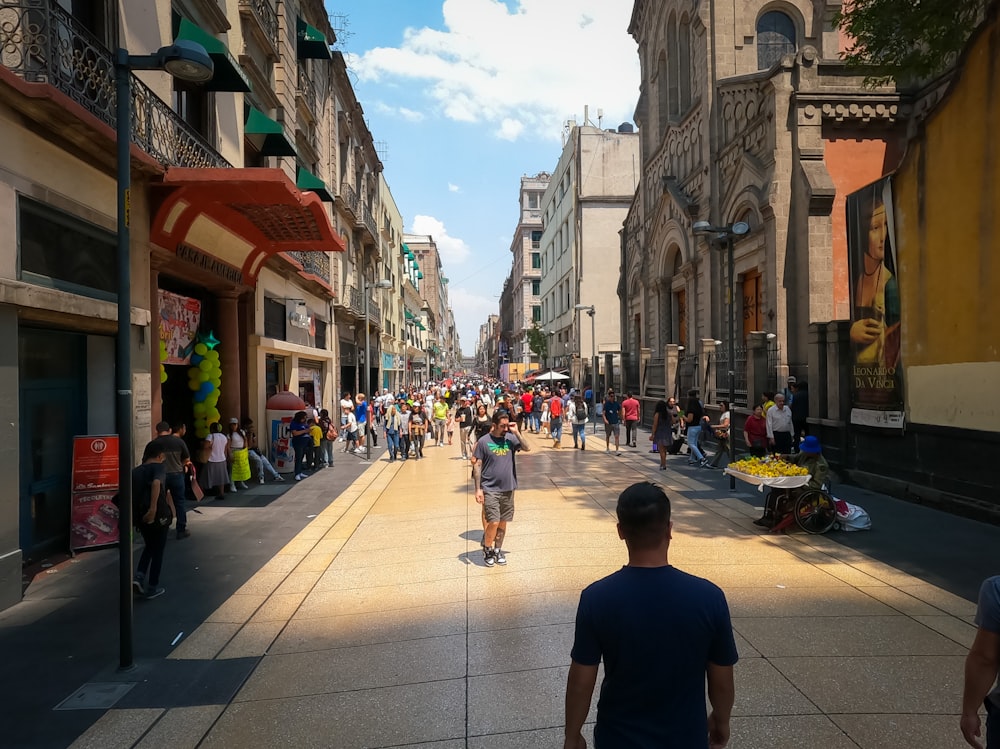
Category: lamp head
[740,228]
[186,61]
[701,226]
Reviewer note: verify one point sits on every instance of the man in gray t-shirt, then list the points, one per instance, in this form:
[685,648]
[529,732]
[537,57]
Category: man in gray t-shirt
[495,477]
[981,669]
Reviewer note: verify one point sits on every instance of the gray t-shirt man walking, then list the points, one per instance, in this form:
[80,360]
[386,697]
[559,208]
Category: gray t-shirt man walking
[495,476]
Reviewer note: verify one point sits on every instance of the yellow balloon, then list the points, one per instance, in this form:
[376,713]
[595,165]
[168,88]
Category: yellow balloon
[200,348]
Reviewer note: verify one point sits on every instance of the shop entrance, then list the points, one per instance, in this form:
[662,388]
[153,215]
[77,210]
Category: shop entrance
[52,399]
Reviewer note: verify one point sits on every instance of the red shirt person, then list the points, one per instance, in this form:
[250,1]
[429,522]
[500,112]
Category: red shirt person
[630,413]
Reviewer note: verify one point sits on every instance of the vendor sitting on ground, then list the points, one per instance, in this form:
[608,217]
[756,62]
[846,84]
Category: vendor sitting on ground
[810,457]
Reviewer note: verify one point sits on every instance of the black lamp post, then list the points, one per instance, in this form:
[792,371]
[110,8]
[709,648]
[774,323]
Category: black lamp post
[383,284]
[591,310]
[727,235]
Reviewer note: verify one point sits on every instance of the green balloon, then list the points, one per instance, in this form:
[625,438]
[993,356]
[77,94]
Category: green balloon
[203,376]
[213,355]
[205,365]
[200,348]
[193,384]
[217,381]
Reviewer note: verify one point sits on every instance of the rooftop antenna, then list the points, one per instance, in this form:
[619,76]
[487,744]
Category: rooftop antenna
[600,116]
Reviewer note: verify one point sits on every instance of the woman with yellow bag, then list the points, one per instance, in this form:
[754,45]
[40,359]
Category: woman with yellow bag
[239,453]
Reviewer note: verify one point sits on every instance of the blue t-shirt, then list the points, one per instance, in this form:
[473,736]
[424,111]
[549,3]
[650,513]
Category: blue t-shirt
[361,412]
[988,617]
[657,629]
[613,412]
[499,472]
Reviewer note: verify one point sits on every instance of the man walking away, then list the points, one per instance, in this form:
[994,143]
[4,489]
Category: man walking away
[661,633]
[463,415]
[982,666]
[555,419]
[176,458]
[612,415]
[630,412]
[494,475]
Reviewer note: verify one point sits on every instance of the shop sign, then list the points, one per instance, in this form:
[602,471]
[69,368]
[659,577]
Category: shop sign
[180,317]
[93,515]
[208,263]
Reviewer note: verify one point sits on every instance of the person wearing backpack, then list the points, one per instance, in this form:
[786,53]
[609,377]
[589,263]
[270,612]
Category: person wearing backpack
[578,421]
[152,514]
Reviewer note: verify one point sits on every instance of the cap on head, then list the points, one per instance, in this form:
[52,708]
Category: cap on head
[234,420]
[811,445]
[791,379]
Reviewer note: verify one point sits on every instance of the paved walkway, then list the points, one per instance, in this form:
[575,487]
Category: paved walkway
[379,625]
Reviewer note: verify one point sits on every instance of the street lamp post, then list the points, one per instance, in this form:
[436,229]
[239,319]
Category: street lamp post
[592,311]
[190,62]
[383,284]
[728,234]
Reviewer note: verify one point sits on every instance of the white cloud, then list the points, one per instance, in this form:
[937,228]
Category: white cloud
[451,249]
[454,188]
[411,115]
[471,308]
[522,71]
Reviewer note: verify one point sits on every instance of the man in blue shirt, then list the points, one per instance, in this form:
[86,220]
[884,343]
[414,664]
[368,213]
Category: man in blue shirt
[661,633]
[612,420]
[982,666]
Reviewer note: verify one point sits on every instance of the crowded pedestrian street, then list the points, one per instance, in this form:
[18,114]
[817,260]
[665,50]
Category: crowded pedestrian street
[377,624]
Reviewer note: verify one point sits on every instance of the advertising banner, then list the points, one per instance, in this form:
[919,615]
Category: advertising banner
[93,515]
[876,374]
[179,320]
[282,454]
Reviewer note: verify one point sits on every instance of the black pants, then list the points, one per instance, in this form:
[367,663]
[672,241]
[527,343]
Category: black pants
[303,451]
[783,442]
[631,431]
[404,444]
[151,559]
[723,449]
[800,429]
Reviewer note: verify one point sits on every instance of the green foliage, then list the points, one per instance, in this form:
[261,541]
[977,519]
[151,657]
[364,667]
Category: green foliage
[910,41]
[538,343]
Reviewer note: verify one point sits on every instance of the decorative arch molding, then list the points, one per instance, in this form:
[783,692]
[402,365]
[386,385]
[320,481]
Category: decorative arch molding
[671,240]
[751,198]
[800,13]
[747,178]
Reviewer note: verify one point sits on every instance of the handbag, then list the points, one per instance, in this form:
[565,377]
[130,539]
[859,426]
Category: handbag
[331,433]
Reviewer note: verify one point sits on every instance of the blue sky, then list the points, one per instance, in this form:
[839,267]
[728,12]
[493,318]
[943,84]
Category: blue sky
[470,95]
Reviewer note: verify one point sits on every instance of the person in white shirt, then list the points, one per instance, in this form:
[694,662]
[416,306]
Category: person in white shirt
[779,426]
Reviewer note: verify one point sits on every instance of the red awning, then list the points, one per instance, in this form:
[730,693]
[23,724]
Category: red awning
[239,217]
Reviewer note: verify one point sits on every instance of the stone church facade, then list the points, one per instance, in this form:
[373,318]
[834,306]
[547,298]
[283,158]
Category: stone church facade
[745,114]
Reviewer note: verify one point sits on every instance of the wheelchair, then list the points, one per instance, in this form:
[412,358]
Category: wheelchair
[812,510]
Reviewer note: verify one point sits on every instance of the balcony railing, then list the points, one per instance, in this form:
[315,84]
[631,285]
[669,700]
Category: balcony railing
[307,90]
[368,220]
[42,43]
[349,197]
[315,263]
[263,12]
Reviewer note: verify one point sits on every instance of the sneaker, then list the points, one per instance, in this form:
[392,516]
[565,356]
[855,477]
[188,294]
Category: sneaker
[663,468]
[764,522]
[499,557]
[704,463]
[183,534]
[583,446]
[279,478]
[232,490]
[488,557]
[299,477]
[260,480]
[137,586]
[607,449]
[155,592]
[243,485]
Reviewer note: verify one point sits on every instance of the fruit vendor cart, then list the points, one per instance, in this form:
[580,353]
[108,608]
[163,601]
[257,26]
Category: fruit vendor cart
[813,510]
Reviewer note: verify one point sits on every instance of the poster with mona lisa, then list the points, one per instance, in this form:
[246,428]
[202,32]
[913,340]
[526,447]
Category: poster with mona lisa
[876,374]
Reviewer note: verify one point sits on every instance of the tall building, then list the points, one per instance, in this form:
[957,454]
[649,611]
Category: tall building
[583,210]
[525,287]
[746,115]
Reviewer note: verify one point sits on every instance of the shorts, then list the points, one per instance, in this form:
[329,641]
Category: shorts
[498,506]
[614,429]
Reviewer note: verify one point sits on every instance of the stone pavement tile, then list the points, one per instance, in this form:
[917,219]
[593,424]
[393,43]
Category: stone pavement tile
[906,731]
[543,738]
[501,650]
[762,690]
[844,635]
[886,573]
[524,610]
[117,728]
[902,602]
[314,531]
[206,641]
[875,684]
[727,551]
[354,668]
[941,599]
[803,602]
[508,580]
[301,635]
[282,563]
[850,575]
[328,545]
[519,701]
[298,546]
[788,732]
[263,583]
[421,713]
[322,603]
[278,607]
[961,631]
[252,641]
[728,576]
[315,562]
[300,581]
[744,648]
[237,609]
[394,570]
[450,548]
[181,727]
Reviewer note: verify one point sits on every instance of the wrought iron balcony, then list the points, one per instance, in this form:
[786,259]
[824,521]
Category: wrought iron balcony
[42,43]
[262,11]
[349,198]
[368,220]
[314,263]
[307,90]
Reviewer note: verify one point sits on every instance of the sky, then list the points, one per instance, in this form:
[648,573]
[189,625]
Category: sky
[466,97]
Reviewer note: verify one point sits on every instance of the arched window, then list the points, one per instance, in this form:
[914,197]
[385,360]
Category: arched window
[684,63]
[673,53]
[775,38]
[662,96]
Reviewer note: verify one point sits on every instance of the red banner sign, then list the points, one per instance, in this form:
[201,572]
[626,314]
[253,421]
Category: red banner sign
[93,515]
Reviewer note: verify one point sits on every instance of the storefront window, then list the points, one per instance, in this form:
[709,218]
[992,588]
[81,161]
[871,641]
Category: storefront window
[274,374]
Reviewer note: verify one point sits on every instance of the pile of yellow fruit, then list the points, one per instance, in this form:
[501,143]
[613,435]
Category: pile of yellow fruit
[768,467]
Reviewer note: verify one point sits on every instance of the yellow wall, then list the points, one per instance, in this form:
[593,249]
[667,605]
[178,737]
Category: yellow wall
[947,192]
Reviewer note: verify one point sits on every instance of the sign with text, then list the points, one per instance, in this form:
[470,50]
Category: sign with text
[876,374]
[94,481]
[180,317]
[95,463]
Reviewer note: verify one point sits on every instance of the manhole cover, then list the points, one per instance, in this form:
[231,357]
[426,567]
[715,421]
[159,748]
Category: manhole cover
[95,696]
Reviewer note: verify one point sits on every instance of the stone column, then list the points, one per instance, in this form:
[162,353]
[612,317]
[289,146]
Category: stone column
[645,355]
[706,372]
[671,357]
[838,362]
[756,366]
[819,371]
[229,355]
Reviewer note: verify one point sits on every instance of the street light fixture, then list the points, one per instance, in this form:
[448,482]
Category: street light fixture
[592,311]
[190,62]
[383,284]
[728,235]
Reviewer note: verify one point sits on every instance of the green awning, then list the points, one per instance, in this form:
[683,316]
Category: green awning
[420,274]
[266,135]
[306,180]
[421,326]
[229,76]
[406,250]
[409,315]
[312,43]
